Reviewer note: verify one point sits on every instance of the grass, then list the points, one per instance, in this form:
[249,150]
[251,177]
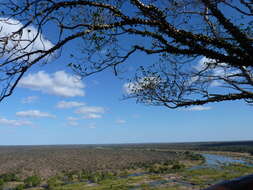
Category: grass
[205,176]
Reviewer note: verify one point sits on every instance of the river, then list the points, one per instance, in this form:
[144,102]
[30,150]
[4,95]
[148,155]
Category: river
[211,161]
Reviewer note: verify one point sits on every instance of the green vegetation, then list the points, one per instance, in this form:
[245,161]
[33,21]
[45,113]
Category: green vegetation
[7,177]
[1,182]
[53,182]
[20,187]
[194,156]
[32,181]
[206,176]
[166,167]
[159,176]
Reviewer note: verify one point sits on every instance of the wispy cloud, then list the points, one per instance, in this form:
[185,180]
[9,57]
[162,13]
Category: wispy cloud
[198,108]
[34,114]
[72,118]
[15,123]
[92,116]
[72,123]
[90,109]
[59,83]
[120,121]
[29,99]
[70,104]
[90,112]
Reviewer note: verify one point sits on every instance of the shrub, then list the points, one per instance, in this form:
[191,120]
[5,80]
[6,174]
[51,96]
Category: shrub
[8,177]
[1,184]
[32,181]
[178,166]
[20,187]
[52,183]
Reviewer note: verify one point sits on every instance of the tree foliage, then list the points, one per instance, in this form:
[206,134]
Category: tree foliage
[204,48]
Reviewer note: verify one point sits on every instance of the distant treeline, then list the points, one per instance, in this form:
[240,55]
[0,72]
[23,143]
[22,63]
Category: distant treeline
[233,146]
[245,146]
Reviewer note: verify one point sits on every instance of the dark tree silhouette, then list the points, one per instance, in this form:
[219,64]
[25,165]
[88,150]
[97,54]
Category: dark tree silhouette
[203,47]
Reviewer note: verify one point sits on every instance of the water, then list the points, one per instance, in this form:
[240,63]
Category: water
[165,181]
[160,182]
[213,160]
[216,161]
[136,174]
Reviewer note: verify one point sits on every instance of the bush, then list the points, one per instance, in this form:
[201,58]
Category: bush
[32,181]
[53,182]
[194,156]
[159,168]
[20,187]
[1,184]
[8,177]
[178,166]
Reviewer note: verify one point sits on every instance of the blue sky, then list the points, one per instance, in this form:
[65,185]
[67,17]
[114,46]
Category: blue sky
[51,106]
[96,113]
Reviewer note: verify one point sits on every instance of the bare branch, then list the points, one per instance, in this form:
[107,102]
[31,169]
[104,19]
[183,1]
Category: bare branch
[106,33]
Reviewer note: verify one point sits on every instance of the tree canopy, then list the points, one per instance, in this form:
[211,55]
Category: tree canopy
[204,48]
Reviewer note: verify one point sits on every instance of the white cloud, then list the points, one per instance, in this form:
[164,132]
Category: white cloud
[29,99]
[214,71]
[198,108]
[34,113]
[90,112]
[204,63]
[218,69]
[20,44]
[215,83]
[70,104]
[120,121]
[72,118]
[92,116]
[15,123]
[72,123]
[90,109]
[58,83]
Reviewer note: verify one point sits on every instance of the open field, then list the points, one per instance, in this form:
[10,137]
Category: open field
[131,167]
